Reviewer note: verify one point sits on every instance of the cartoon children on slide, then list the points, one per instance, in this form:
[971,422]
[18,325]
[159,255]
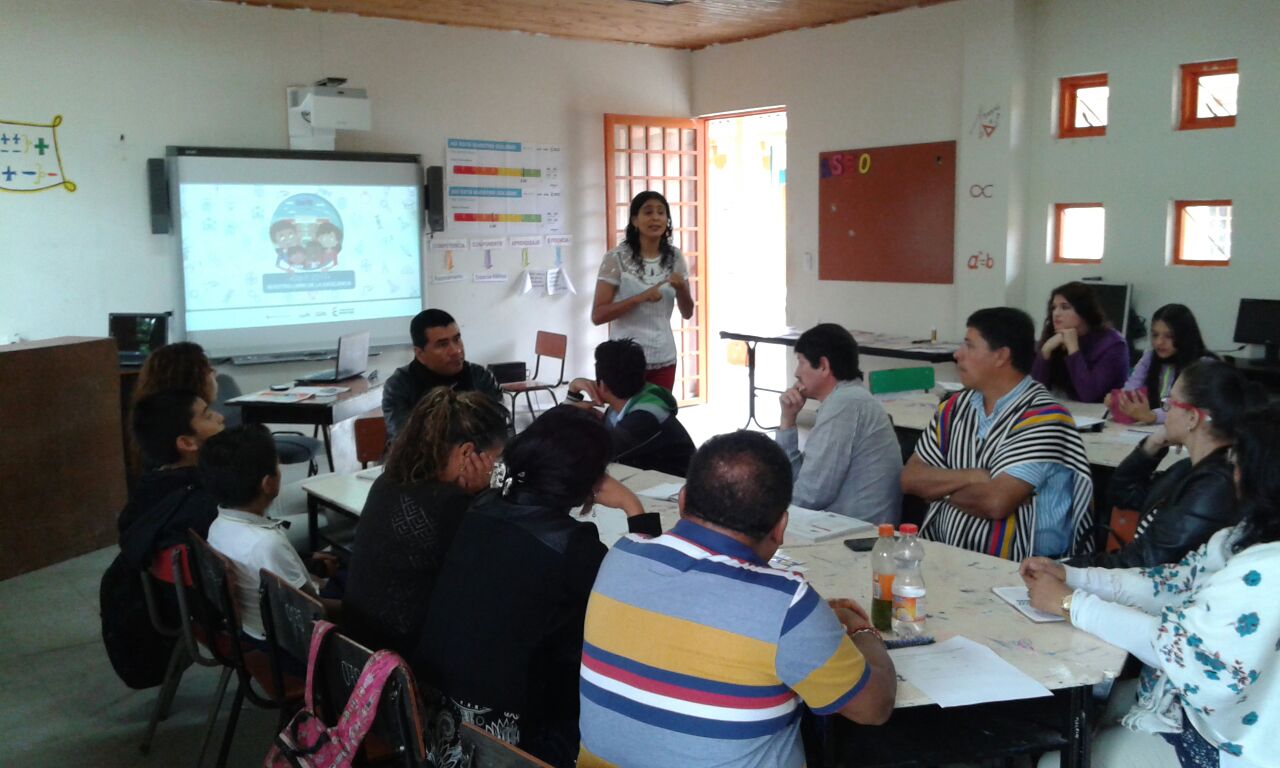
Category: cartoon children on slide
[306,232]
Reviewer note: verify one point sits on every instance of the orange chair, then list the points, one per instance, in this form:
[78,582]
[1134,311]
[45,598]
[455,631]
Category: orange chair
[371,438]
[552,345]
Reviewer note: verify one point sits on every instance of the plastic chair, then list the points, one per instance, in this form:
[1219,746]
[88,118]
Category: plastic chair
[397,736]
[292,447]
[484,750]
[551,345]
[216,613]
[288,618]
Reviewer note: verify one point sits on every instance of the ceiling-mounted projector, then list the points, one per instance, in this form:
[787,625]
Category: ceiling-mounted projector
[317,111]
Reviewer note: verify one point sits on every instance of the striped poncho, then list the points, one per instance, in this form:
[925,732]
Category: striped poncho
[1035,427]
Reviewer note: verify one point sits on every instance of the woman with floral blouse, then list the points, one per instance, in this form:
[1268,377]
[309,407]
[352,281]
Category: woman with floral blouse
[1207,629]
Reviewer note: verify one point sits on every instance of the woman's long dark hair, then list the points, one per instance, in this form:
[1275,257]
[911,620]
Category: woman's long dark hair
[1222,391]
[558,459]
[1085,302]
[1257,456]
[1188,345]
[668,253]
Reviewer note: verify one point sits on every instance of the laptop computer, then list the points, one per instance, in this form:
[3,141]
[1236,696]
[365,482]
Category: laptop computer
[137,334]
[353,359]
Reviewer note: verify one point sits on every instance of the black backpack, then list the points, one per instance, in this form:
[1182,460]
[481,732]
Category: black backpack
[138,653]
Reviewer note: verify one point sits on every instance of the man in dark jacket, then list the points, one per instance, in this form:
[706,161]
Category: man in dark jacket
[167,500]
[439,360]
[641,417]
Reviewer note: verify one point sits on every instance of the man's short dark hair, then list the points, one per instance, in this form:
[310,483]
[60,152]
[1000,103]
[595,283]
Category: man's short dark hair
[834,343]
[427,318]
[741,481]
[158,421]
[234,461]
[1007,327]
[620,365]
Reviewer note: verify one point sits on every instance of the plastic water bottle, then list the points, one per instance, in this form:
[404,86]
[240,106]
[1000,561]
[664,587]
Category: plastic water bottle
[908,584]
[882,570]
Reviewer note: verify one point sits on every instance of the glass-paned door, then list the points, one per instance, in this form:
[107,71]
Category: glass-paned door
[666,155]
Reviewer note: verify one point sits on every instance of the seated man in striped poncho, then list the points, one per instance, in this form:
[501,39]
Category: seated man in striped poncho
[1001,463]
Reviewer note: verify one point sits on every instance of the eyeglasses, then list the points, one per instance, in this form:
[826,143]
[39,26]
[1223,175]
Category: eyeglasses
[1231,456]
[1170,402]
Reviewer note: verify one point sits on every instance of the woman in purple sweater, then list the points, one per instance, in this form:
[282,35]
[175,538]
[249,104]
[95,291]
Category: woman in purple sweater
[1175,344]
[1081,356]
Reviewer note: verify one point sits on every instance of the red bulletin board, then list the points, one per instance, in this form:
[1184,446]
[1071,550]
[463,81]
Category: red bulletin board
[888,214]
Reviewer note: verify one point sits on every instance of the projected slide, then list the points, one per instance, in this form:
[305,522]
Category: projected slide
[256,255]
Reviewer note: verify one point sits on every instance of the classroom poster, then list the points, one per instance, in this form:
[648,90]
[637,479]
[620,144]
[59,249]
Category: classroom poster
[30,160]
[500,188]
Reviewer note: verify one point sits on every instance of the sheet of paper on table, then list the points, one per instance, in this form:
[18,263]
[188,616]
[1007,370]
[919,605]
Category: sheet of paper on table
[958,672]
[372,473]
[1084,423]
[662,491]
[1019,598]
[610,521]
[267,396]
[321,391]
[811,526]
[621,472]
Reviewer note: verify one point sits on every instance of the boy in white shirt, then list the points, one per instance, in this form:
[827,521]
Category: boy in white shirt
[240,469]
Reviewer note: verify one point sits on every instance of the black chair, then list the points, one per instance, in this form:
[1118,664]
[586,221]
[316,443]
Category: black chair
[288,618]
[292,447]
[216,613]
[397,736]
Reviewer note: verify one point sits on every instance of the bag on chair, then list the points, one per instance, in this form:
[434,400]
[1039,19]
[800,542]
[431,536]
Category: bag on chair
[306,742]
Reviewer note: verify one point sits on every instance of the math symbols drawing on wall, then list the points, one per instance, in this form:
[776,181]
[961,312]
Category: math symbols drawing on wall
[987,122]
[29,157]
[981,259]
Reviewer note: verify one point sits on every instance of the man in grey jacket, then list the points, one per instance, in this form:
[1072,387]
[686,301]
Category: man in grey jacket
[851,463]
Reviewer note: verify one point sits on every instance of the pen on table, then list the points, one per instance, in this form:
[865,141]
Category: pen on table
[919,341]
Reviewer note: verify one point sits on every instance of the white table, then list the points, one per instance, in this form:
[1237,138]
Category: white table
[960,600]
[1107,448]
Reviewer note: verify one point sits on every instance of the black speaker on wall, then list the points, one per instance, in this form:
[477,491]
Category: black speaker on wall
[435,198]
[158,195]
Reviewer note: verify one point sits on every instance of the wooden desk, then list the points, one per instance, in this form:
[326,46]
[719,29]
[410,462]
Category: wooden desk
[871,344]
[322,412]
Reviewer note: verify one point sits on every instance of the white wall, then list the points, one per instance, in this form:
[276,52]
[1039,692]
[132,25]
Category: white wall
[132,76]
[1142,164]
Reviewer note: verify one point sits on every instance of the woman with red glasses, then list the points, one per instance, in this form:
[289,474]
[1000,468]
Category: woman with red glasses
[1182,507]
[1206,628]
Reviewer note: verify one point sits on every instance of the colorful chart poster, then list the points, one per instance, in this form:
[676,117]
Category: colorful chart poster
[501,188]
[30,160]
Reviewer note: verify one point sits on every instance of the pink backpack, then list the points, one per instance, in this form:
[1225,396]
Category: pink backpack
[306,742]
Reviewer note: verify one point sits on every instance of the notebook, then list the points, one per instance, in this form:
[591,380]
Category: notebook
[352,360]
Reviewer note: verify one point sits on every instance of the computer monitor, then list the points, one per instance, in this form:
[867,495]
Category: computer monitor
[137,335]
[1258,322]
[1115,300]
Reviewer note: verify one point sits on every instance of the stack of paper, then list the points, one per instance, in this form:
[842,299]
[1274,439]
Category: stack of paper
[959,672]
[1019,598]
[662,491]
[810,526]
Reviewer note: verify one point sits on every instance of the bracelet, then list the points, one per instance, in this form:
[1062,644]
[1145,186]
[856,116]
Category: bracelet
[869,629]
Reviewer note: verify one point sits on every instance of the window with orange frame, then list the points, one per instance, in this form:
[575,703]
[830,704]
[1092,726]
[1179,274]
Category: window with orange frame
[1082,106]
[1202,233]
[1078,233]
[1208,98]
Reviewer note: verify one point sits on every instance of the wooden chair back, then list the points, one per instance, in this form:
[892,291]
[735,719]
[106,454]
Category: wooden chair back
[371,438]
[550,344]
[484,750]
[397,729]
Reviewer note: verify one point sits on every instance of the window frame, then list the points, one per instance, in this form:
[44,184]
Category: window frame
[1056,256]
[1178,207]
[1190,94]
[1067,88]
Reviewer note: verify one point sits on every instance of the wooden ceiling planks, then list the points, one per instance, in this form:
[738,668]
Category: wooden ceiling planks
[690,25]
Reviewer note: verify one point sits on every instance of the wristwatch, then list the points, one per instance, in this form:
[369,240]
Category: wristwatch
[1066,605]
[574,396]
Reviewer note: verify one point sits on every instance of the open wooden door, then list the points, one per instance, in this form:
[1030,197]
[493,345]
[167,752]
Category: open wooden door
[665,154]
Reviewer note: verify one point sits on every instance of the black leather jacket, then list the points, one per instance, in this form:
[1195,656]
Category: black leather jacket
[1180,508]
[409,383]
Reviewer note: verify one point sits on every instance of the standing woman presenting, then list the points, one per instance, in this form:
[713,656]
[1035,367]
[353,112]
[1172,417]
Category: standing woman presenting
[638,283]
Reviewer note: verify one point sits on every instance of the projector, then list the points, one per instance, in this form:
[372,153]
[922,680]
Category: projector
[331,108]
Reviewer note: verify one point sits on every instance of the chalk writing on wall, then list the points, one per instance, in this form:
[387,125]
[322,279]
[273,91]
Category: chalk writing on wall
[30,160]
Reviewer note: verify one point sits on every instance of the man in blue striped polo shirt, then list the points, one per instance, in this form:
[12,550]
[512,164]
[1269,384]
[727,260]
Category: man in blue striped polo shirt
[696,652]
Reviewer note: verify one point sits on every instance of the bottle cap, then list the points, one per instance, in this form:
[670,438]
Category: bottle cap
[907,529]
[885,529]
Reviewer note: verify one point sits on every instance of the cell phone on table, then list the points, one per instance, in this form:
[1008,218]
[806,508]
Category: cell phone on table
[861,545]
[1117,415]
